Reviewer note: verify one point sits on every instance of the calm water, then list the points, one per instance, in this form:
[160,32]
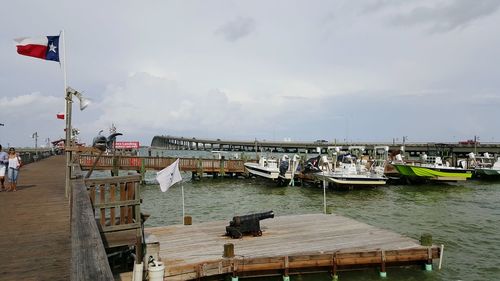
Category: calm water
[465,217]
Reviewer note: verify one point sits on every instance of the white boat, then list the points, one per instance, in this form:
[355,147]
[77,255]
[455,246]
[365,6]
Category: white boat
[282,171]
[353,171]
[485,166]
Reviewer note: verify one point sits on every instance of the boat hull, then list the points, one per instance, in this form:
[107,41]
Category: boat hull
[442,174]
[481,172]
[265,172]
[352,180]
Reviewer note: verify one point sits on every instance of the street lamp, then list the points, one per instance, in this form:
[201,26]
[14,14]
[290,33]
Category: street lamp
[35,136]
[2,124]
[70,92]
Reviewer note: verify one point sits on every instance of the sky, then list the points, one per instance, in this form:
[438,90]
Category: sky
[373,70]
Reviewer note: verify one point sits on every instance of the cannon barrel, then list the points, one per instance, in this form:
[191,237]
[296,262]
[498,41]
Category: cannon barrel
[238,220]
[247,224]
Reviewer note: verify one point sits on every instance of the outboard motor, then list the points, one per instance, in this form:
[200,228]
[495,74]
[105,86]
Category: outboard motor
[312,165]
[284,165]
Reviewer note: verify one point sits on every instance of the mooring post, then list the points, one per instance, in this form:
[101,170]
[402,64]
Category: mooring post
[143,170]
[335,277]
[222,168]
[235,273]
[426,240]
[285,274]
[228,250]
[188,220]
[428,265]
[115,169]
[383,273]
[199,167]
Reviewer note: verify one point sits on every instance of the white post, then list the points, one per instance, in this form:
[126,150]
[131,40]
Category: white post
[183,211]
[67,114]
[324,196]
[441,256]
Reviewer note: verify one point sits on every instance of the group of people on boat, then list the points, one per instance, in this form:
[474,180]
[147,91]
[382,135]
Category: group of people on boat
[9,165]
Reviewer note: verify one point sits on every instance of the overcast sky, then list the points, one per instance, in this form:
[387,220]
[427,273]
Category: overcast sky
[273,70]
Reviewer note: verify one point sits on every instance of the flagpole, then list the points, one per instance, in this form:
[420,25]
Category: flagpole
[67,115]
[183,210]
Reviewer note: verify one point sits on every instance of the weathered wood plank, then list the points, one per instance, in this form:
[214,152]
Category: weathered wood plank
[89,259]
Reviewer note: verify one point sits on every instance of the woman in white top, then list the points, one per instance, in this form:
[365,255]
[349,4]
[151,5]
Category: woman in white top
[14,165]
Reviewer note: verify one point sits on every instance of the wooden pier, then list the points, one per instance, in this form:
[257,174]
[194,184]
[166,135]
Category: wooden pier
[35,241]
[289,245]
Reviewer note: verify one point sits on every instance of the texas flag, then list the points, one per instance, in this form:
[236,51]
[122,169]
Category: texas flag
[46,48]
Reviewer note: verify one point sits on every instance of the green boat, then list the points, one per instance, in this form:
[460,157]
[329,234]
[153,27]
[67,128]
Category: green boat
[435,171]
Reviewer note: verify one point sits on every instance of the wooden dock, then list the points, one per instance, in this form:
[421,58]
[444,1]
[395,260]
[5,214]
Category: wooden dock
[35,241]
[289,244]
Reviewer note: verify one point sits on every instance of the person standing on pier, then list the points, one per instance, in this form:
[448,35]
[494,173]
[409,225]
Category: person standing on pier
[14,165]
[4,160]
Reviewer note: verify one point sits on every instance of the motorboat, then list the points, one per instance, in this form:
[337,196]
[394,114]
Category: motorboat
[485,166]
[282,172]
[431,168]
[353,170]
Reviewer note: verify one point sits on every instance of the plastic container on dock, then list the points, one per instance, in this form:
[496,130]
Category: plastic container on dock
[156,270]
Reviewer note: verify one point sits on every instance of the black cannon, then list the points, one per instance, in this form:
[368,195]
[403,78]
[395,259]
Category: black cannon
[248,224]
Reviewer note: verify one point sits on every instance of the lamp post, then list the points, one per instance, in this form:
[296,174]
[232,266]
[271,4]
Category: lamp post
[1,125]
[70,92]
[35,136]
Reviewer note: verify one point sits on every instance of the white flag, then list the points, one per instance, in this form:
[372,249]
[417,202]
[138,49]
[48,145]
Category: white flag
[168,176]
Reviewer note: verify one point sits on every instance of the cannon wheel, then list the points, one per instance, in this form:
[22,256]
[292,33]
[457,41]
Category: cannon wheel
[236,234]
[257,233]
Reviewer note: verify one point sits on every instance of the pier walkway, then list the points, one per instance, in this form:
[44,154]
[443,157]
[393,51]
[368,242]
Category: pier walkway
[35,242]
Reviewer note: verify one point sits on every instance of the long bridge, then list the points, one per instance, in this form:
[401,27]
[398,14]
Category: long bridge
[193,143]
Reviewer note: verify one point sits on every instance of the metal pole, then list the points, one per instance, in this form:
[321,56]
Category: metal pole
[67,115]
[35,136]
[68,142]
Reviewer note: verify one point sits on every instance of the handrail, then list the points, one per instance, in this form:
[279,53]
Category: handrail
[158,163]
[88,256]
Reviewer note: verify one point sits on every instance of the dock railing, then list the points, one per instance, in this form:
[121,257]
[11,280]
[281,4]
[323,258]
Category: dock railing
[116,206]
[88,256]
[157,163]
